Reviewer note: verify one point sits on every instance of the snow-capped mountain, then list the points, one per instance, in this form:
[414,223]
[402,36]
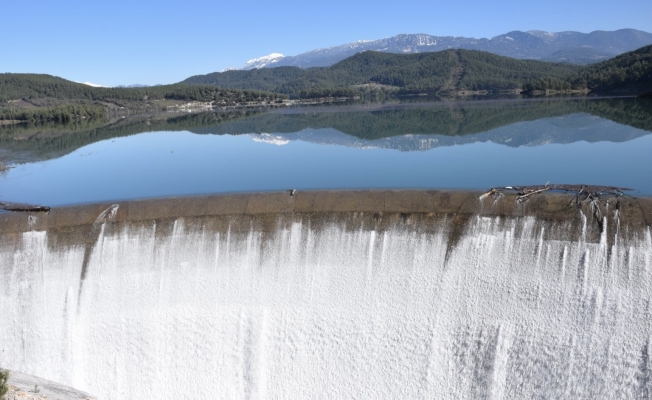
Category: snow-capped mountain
[135,85]
[265,61]
[90,84]
[537,45]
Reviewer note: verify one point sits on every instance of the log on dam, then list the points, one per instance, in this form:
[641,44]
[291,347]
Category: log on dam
[332,294]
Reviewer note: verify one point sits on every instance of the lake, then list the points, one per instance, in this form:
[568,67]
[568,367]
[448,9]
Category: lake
[462,145]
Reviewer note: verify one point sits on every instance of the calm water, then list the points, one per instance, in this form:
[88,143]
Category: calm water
[468,145]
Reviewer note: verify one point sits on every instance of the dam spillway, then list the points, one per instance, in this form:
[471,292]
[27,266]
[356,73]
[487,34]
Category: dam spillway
[369,294]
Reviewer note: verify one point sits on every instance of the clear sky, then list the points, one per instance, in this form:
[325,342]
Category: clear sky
[149,42]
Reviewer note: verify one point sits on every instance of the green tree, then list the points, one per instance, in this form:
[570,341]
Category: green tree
[4,377]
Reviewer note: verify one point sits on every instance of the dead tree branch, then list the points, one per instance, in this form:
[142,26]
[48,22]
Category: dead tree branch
[590,194]
[23,207]
[582,192]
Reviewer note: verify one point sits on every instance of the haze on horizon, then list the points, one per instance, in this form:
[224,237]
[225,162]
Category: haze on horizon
[122,43]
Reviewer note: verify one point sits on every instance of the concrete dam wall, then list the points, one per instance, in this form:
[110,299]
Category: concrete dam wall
[371,294]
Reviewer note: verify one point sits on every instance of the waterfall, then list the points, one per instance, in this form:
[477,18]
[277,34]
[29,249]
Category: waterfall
[339,305]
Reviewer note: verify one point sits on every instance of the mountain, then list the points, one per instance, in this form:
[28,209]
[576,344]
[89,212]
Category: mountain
[431,72]
[536,45]
[578,55]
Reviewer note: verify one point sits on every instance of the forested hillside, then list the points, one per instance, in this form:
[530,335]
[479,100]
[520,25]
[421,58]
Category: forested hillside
[629,73]
[257,79]
[437,72]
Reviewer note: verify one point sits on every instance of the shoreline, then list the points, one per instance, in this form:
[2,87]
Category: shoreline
[171,107]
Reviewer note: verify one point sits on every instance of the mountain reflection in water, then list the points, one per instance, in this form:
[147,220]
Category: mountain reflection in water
[470,145]
[402,127]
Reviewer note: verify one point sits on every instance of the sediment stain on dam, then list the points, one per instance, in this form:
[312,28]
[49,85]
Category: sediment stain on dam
[372,294]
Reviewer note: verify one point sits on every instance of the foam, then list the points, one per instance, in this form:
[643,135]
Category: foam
[335,309]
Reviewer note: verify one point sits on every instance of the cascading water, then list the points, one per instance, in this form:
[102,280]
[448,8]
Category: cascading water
[334,305]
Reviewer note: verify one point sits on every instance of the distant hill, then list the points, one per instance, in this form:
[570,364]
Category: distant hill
[258,79]
[434,72]
[629,73]
[46,97]
[536,45]
[30,86]
[578,55]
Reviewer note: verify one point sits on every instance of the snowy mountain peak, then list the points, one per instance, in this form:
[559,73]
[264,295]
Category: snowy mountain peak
[90,84]
[277,140]
[264,61]
[543,34]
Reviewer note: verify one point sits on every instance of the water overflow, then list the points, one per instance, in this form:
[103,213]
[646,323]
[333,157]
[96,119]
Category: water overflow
[339,294]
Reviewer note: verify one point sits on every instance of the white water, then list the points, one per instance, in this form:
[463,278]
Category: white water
[331,313]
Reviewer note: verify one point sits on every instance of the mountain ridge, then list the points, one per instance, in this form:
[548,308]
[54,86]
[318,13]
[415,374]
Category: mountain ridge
[533,44]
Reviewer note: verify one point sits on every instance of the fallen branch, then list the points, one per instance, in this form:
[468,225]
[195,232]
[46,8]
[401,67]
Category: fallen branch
[4,168]
[583,192]
[23,207]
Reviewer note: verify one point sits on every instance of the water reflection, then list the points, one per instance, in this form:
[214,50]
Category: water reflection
[428,124]
[443,145]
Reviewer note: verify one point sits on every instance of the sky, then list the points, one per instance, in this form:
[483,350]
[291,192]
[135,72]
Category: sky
[158,42]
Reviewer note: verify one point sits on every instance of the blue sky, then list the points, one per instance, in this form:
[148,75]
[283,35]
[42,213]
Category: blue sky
[126,42]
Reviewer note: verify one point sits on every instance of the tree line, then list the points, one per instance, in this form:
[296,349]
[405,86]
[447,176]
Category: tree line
[65,113]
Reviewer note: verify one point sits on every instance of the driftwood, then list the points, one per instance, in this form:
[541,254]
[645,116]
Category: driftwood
[582,192]
[23,207]
[590,194]
[4,168]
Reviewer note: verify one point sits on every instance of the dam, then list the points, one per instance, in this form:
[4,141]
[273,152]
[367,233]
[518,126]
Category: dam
[332,294]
